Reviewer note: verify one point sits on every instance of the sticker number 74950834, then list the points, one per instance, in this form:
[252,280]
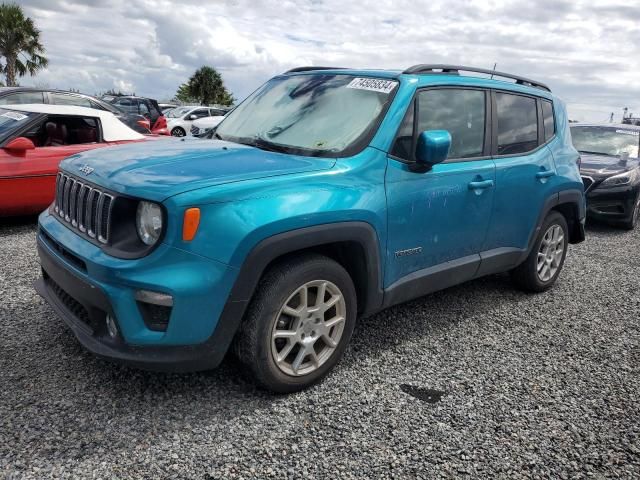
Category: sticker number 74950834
[373,84]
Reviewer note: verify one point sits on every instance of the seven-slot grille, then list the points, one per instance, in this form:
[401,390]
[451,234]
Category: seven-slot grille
[83,206]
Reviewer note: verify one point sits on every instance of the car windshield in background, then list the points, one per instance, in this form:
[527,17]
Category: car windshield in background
[322,114]
[11,120]
[178,112]
[606,140]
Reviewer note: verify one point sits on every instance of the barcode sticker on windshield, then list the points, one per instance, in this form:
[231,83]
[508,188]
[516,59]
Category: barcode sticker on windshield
[629,132]
[14,115]
[373,84]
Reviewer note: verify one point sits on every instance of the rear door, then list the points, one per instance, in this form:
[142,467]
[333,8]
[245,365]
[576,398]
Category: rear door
[438,219]
[525,171]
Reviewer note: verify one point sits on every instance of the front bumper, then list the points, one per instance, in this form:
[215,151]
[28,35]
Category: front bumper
[612,204]
[83,286]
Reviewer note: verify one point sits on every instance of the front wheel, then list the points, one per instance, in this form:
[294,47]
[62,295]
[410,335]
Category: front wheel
[543,265]
[298,324]
[178,132]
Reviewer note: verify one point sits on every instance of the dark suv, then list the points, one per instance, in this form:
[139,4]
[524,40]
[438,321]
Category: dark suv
[147,107]
[25,95]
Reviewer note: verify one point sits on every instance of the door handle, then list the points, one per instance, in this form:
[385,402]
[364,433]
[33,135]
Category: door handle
[545,174]
[480,185]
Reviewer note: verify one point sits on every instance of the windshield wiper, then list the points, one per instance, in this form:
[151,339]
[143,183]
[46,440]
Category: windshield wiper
[264,144]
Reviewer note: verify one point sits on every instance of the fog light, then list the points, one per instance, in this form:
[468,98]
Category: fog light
[112,328]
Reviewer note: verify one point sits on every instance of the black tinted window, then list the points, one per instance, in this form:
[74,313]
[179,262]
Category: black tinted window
[549,121]
[517,124]
[460,112]
[20,98]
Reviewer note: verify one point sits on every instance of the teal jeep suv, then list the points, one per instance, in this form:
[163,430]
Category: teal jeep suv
[327,195]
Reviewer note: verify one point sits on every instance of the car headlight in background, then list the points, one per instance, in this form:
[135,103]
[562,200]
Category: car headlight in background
[620,180]
[149,222]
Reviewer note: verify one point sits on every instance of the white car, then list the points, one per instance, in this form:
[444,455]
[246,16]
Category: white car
[202,127]
[179,119]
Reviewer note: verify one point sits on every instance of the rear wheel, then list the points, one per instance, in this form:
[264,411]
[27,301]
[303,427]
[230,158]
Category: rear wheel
[543,265]
[298,324]
[178,132]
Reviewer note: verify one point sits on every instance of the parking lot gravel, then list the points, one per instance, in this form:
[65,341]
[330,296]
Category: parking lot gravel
[476,381]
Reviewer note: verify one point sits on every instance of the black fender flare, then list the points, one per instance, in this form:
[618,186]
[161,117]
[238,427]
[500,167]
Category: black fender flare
[271,248]
[573,197]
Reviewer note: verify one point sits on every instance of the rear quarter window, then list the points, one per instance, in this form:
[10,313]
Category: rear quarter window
[517,123]
[548,120]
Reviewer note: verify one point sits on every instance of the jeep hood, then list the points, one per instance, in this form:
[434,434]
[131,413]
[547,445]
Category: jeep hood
[602,166]
[158,170]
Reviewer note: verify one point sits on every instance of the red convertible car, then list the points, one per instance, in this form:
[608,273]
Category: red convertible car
[33,141]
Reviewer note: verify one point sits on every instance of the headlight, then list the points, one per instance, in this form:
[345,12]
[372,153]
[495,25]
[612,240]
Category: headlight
[149,222]
[620,180]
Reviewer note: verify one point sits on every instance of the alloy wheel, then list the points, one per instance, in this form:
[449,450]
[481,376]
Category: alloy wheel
[308,328]
[550,253]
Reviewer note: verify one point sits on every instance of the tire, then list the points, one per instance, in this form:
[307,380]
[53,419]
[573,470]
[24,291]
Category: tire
[279,293]
[635,216]
[178,132]
[529,276]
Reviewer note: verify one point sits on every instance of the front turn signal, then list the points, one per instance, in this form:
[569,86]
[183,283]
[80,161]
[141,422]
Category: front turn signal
[190,224]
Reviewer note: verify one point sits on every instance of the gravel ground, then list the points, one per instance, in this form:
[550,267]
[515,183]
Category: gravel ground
[478,381]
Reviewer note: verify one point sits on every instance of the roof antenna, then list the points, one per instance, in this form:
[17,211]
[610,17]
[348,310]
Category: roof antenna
[494,69]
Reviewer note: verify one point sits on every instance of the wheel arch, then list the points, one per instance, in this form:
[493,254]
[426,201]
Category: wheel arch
[354,245]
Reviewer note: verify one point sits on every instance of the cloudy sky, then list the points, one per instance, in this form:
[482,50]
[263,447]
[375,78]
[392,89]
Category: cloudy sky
[588,51]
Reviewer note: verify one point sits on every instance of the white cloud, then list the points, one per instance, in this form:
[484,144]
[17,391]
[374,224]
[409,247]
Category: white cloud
[586,50]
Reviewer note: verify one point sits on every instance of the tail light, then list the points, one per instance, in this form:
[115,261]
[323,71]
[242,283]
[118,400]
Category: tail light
[161,122]
[144,123]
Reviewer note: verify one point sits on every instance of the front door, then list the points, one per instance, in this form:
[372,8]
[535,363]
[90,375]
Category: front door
[438,219]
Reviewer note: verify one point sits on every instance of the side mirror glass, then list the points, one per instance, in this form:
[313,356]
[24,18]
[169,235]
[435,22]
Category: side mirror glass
[433,147]
[20,145]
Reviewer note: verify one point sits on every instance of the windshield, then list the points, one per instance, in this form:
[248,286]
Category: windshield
[12,120]
[178,112]
[606,140]
[316,114]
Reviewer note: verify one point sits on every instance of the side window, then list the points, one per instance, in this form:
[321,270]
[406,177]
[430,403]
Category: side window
[549,121]
[460,112]
[60,130]
[517,123]
[404,139]
[200,113]
[22,98]
[98,106]
[62,99]
[143,110]
[216,113]
[127,105]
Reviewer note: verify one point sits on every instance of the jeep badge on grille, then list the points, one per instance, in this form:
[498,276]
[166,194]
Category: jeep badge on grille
[86,169]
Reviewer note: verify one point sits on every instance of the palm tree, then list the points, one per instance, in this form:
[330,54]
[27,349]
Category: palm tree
[207,87]
[19,44]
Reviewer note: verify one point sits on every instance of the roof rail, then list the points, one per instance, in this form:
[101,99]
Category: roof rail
[311,68]
[456,69]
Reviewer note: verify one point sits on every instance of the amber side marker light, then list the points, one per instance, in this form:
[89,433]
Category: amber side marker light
[190,225]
